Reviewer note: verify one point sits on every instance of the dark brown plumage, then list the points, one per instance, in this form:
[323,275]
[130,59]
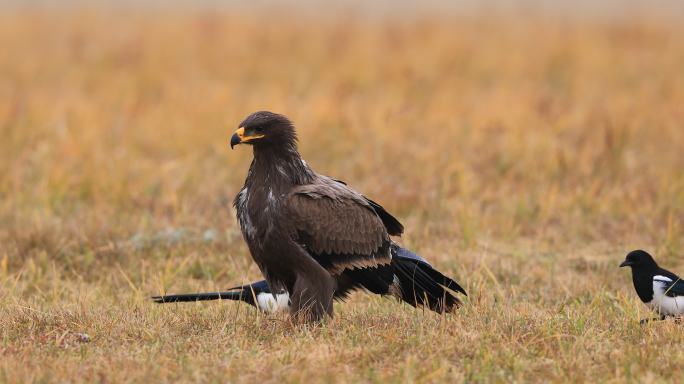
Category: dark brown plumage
[309,234]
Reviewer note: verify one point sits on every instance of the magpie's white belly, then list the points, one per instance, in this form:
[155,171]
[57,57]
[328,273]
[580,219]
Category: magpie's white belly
[663,304]
[267,303]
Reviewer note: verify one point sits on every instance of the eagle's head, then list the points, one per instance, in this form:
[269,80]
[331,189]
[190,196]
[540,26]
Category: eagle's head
[265,129]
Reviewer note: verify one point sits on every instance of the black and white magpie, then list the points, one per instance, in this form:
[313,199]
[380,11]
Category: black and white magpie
[416,283]
[257,294]
[661,290]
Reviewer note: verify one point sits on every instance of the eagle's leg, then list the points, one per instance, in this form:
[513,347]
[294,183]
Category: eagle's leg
[312,295]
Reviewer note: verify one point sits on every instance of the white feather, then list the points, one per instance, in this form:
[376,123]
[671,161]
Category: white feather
[661,277]
[243,215]
[267,303]
[663,304]
[281,170]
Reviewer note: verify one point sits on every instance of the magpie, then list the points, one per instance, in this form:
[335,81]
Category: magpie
[257,294]
[661,290]
[416,282]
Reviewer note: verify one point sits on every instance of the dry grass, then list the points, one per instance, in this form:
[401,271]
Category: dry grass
[524,157]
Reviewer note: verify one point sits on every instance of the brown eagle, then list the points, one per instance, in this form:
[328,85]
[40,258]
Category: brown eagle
[314,237]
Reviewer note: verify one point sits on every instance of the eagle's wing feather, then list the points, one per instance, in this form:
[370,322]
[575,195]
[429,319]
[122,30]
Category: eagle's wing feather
[394,227]
[337,226]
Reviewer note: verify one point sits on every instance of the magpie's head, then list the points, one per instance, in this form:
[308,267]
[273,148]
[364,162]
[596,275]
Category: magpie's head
[639,260]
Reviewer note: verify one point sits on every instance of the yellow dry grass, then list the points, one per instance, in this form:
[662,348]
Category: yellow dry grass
[525,157]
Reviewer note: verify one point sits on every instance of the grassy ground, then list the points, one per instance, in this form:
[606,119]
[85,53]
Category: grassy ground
[525,158]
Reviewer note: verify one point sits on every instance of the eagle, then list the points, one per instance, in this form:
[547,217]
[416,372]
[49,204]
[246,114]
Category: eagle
[311,236]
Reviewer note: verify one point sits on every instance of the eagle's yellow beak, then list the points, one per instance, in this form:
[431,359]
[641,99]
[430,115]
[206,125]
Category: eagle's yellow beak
[240,138]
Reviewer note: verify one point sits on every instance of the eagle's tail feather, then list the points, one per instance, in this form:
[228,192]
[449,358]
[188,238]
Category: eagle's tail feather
[421,285]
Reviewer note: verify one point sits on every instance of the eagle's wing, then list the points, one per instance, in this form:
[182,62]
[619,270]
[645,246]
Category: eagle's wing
[394,227]
[337,226]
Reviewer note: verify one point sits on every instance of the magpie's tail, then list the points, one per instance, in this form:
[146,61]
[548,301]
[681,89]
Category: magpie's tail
[421,285]
[231,295]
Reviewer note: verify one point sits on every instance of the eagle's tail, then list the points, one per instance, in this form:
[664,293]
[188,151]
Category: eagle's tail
[231,295]
[421,285]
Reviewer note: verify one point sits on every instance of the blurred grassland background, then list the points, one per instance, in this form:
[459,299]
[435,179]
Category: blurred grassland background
[524,153]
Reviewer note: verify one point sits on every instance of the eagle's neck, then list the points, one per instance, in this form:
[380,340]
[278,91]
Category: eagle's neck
[279,168]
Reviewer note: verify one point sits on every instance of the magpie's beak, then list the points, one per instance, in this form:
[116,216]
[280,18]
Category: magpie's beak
[626,263]
[239,137]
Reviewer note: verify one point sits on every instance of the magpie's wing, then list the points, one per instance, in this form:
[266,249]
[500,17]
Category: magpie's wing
[401,252]
[674,288]
[256,287]
[673,284]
